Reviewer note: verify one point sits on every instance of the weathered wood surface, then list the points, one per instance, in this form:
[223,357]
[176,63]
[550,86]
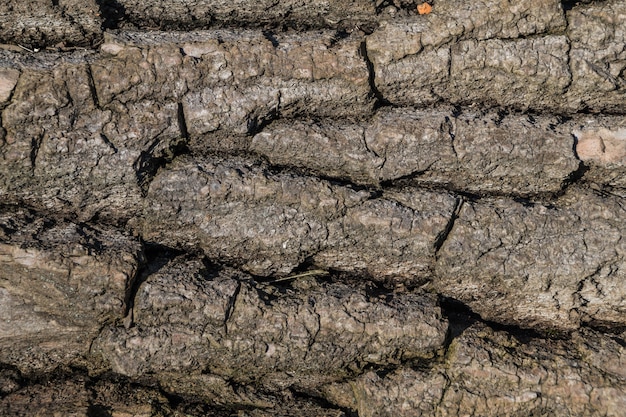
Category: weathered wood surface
[321,208]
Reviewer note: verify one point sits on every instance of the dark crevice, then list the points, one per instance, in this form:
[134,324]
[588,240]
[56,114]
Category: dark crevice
[146,167]
[447,128]
[460,316]
[156,256]
[380,101]
[570,4]
[256,124]
[576,175]
[193,407]
[304,397]
[90,239]
[501,114]
[531,203]
[611,328]
[271,37]
[35,143]
[151,160]
[112,13]
[338,36]
[98,410]
[277,169]
[92,87]
[404,180]
[6,103]
[412,181]
[210,270]
[261,161]
[373,287]
[443,235]
[108,142]
[182,122]
[574,146]
[620,341]
[230,308]
[307,264]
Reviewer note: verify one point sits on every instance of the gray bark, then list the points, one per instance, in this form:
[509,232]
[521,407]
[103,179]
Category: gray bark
[217,208]
[200,13]
[276,222]
[60,282]
[490,373]
[249,333]
[36,24]
[473,152]
[476,58]
[558,266]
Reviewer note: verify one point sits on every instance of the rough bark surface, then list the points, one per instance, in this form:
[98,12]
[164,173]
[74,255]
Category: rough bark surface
[36,24]
[533,266]
[61,282]
[189,13]
[491,373]
[473,152]
[186,327]
[329,208]
[272,223]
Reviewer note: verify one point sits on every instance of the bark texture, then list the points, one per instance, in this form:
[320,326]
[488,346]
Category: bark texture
[36,24]
[328,208]
[556,266]
[491,373]
[60,283]
[186,327]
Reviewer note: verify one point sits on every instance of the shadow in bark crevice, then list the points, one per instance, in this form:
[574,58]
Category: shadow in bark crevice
[112,13]
[312,398]
[460,317]
[155,157]
[380,100]
[156,256]
[570,4]
[95,410]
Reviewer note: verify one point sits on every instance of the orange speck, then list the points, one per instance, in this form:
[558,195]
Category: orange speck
[424,8]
